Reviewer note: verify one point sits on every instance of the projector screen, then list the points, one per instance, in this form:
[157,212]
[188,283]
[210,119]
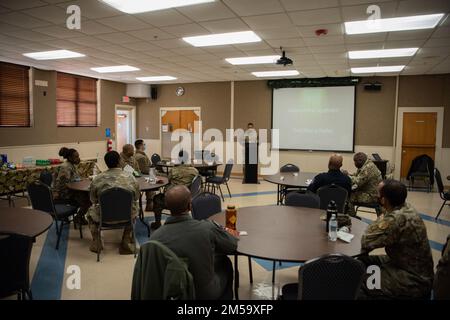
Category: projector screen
[319,118]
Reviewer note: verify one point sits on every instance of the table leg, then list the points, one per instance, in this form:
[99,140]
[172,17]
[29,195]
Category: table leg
[236,278]
[141,215]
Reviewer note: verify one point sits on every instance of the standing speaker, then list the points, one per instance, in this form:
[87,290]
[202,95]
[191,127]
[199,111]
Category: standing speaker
[154,92]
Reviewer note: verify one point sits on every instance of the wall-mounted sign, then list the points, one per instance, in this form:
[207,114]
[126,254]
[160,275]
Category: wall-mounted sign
[108,132]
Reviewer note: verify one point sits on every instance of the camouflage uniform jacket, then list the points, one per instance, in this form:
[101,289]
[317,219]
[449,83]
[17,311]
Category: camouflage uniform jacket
[366,179]
[112,178]
[403,235]
[67,172]
[131,161]
[442,277]
[181,175]
[143,162]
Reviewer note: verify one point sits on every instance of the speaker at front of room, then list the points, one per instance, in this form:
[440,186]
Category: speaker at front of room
[375,86]
[154,92]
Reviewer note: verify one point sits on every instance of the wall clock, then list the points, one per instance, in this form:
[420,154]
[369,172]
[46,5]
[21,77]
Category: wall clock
[180,91]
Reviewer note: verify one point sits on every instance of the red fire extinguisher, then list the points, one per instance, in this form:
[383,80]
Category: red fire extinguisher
[109,145]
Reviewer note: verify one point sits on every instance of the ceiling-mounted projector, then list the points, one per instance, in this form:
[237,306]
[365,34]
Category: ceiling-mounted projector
[284,60]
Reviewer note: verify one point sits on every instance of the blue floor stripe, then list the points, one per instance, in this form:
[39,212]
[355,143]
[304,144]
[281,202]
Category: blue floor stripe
[49,274]
[436,245]
[250,194]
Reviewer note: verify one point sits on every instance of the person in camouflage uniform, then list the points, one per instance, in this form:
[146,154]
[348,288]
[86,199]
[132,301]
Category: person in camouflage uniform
[407,267]
[68,172]
[364,182]
[441,286]
[127,158]
[144,165]
[114,177]
[179,175]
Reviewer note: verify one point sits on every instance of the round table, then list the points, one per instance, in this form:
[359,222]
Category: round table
[27,222]
[84,186]
[289,179]
[283,233]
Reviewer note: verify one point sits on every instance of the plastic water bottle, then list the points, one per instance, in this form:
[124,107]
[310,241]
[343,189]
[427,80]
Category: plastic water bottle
[332,228]
[152,176]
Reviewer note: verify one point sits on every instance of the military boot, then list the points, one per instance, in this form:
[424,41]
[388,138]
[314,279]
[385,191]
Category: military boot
[128,245]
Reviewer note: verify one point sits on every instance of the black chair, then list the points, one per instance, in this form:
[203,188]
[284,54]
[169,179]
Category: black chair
[42,199]
[196,186]
[155,158]
[115,205]
[335,193]
[205,205]
[421,168]
[375,205]
[46,177]
[289,168]
[307,200]
[331,277]
[15,252]
[217,181]
[444,195]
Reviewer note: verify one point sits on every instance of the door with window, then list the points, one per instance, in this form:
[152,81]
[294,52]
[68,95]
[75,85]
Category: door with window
[124,127]
[418,137]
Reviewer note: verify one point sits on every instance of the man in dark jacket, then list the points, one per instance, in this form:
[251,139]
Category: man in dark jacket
[334,175]
[202,243]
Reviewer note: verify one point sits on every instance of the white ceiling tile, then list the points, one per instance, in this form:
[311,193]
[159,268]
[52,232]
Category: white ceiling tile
[163,53]
[433,51]
[416,7]
[404,44]
[278,33]
[5,28]
[314,17]
[91,27]
[331,29]
[62,44]
[266,52]
[252,46]
[269,21]
[89,41]
[185,30]
[326,48]
[254,7]
[51,14]
[441,32]
[355,2]
[58,32]
[29,35]
[22,20]
[22,4]
[437,42]
[286,43]
[226,25]
[123,23]
[365,38]
[355,13]
[409,35]
[116,49]
[171,43]
[142,46]
[151,34]
[365,46]
[207,11]
[117,38]
[324,40]
[293,5]
[188,51]
[93,9]
[163,18]
[202,57]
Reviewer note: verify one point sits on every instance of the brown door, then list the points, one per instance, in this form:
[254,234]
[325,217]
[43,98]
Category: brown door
[122,130]
[171,118]
[419,137]
[187,119]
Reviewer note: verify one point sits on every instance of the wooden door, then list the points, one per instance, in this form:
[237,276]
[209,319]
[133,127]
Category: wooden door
[123,130]
[419,137]
[171,118]
[187,119]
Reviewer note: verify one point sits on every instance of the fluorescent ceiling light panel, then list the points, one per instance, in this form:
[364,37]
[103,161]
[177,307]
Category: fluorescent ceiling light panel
[383,53]
[137,6]
[253,60]
[115,69]
[223,39]
[281,73]
[427,21]
[53,55]
[156,78]
[377,69]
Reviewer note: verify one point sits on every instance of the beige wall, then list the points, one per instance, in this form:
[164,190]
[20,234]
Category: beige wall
[213,98]
[44,129]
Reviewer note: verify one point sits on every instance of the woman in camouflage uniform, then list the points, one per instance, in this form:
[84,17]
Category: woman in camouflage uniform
[68,172]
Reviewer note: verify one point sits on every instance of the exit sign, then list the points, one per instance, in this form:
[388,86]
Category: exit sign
[125,99]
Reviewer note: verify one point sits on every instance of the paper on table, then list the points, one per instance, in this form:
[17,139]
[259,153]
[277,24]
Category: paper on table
[344,236]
